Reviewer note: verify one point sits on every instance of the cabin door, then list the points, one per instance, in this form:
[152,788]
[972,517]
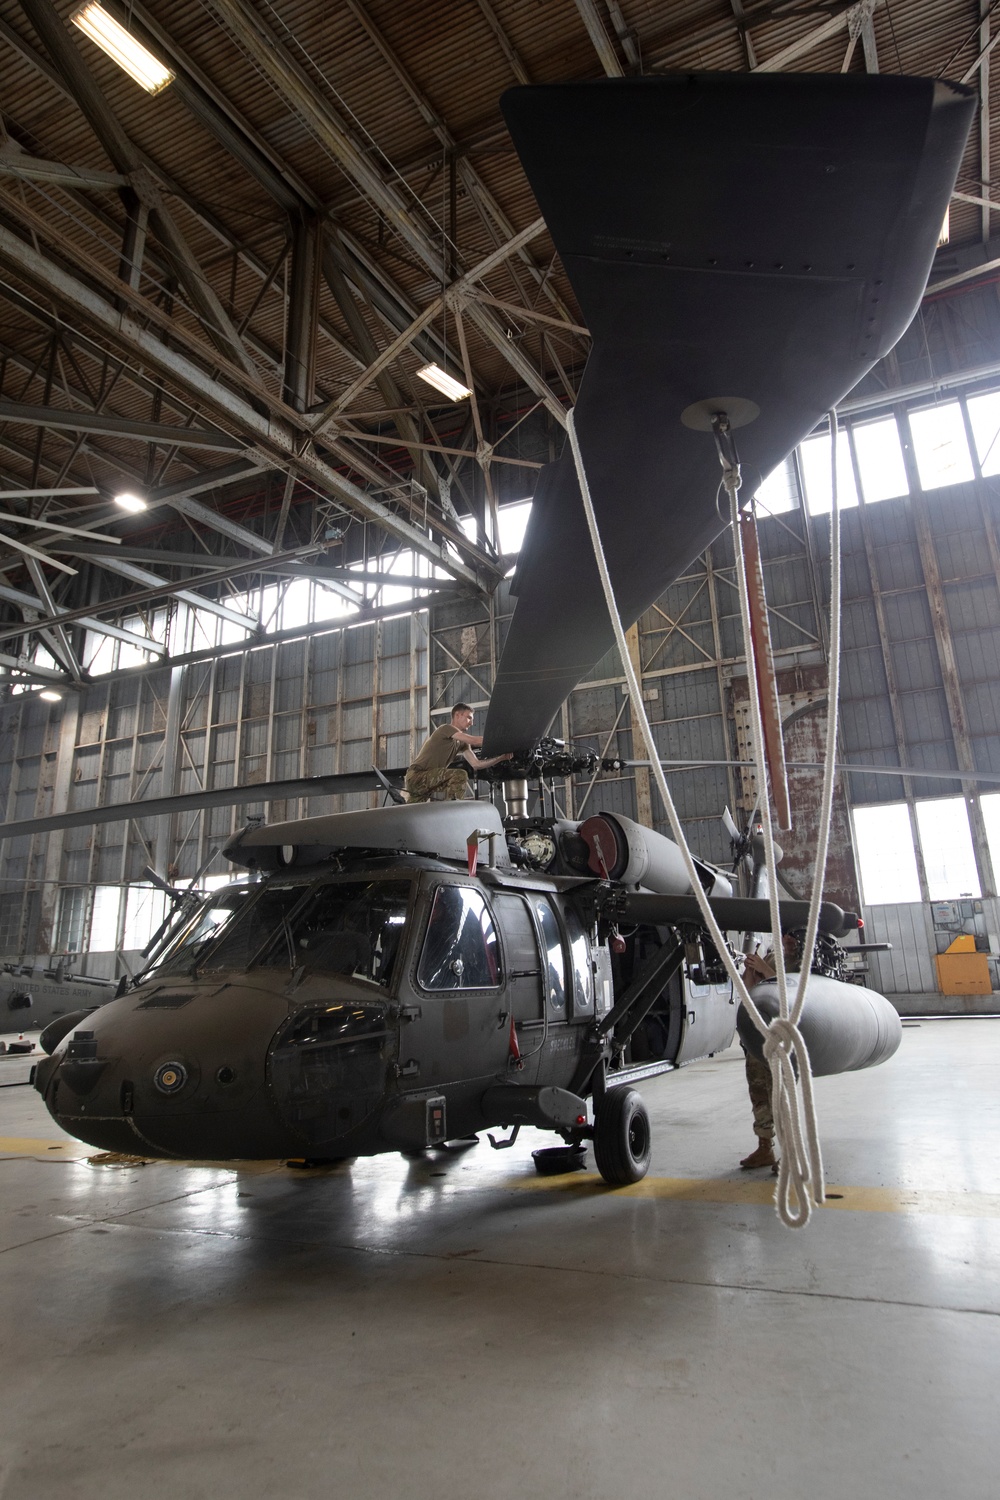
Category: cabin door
[523,971]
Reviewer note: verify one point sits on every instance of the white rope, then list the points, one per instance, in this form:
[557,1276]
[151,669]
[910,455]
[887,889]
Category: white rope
[800,1179]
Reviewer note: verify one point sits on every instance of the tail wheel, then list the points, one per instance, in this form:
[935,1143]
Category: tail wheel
[622,1138]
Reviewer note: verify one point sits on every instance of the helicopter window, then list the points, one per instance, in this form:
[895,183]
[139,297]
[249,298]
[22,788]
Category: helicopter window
[460,950]
[242,939]
[221,909]
[353,927]
[555,963]
[583,976]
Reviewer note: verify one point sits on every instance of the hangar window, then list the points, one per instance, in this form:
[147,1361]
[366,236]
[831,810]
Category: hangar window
[887,863]
[460,949]
[104,919]
[512,522]
[984,419]
[880,460]
[69,928]
[940,446]
[145,908]
[814,456]
[778,493]
[946,845]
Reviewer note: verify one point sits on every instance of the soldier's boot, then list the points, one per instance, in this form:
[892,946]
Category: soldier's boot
[762,1157]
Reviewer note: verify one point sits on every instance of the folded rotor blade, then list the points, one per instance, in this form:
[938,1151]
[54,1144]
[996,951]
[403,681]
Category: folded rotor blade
[736,241]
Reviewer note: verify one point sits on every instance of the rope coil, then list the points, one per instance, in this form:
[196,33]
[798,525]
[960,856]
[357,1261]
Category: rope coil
[800,1177]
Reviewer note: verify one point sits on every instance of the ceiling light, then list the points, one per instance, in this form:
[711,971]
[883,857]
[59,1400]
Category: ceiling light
[945,234]
[443,382]
[138,62]
[49,695]
[132,503]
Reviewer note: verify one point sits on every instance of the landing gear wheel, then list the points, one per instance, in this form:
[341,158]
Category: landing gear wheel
[622,1143]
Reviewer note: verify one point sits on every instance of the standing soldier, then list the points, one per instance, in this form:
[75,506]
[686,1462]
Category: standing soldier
[438,773]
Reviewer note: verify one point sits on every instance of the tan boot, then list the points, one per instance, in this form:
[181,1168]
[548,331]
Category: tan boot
[762,1157]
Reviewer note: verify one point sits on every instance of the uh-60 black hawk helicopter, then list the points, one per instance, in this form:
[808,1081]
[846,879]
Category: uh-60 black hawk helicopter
[395,978]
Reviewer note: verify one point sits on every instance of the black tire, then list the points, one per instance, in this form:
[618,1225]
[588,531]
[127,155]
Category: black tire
[622,1137]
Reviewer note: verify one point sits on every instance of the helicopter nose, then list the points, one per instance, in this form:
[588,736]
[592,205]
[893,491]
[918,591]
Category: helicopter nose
[179,1074]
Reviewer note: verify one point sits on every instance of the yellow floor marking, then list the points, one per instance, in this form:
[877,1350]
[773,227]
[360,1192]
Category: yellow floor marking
[761,1191]
[61,1150]
[754,1191]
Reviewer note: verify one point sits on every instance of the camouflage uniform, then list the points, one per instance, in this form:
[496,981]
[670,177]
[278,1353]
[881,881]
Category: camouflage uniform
[759,1085]
[449,785]
[437,773]
[759,969]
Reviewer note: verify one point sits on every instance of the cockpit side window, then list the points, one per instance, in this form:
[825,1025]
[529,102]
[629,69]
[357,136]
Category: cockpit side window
[460,950]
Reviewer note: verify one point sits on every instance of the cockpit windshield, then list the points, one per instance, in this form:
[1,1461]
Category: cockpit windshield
[349,927]
[198,934]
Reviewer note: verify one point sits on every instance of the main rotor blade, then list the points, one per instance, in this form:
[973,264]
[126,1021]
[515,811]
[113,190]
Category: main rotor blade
[735,243]
[267,791]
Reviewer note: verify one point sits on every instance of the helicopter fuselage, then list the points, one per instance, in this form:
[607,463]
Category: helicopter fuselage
[383,1007]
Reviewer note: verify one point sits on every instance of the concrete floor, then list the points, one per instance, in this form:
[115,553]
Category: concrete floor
[461,1328]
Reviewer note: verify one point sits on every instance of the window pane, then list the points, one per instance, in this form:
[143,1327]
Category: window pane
[946,844]
[939,446]
[814,455]
[887,863]
[460,950]
[512,521]
[196,936]
[104,919]
[880,460]
[353,927]
[778,493]
[145,908]
[555,964]
[984,418]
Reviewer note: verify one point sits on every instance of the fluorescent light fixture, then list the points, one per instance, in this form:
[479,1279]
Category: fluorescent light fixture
[443,382]
[49,695]
[945,234]
[131,503]
[112,38]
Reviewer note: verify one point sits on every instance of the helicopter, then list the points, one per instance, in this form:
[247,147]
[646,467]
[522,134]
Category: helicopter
[412,975]
[403,977]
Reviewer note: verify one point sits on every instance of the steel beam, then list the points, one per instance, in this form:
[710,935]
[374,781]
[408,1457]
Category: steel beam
[303,312]
[811,40]
[115,564]
[133,601]
[68,617]
[149,432]
[517,65]
[591,18]
[985,10]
